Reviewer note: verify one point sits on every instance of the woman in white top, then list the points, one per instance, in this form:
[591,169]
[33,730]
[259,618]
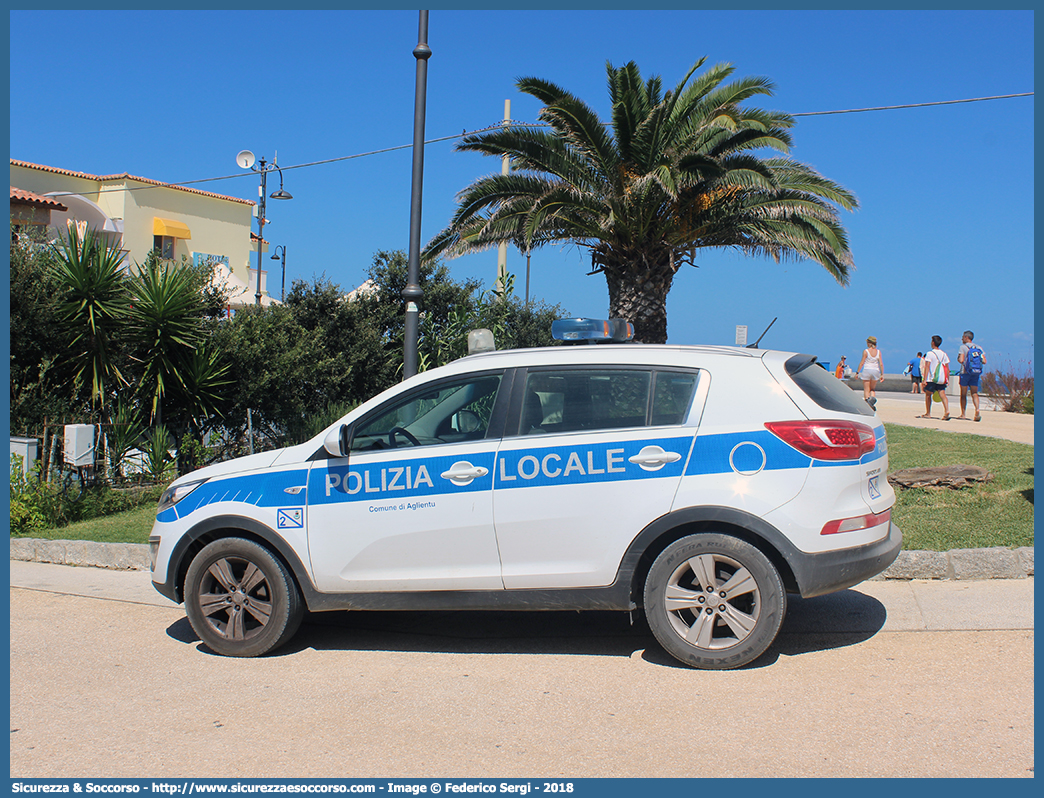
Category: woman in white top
[871,370]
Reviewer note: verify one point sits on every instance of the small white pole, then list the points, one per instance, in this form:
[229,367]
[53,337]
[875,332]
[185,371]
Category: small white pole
[505,168]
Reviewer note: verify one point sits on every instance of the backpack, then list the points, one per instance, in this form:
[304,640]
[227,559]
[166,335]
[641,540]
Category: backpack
[935,368]
[973,360]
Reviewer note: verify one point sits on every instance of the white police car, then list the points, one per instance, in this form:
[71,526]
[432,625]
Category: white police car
[698,483]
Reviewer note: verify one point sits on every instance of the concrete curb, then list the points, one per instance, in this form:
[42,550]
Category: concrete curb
[992,563]
[114,556]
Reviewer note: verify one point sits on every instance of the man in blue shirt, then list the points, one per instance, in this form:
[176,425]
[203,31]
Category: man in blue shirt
[914,370]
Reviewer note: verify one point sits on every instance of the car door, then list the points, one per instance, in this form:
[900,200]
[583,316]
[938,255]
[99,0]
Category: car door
[411,506]
[597,454]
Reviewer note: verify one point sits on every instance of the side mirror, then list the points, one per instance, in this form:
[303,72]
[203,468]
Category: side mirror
[338,441]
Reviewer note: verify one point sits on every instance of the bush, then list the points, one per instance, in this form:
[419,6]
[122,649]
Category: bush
[25,516]
[1010,389]
[40,504]
[35,503]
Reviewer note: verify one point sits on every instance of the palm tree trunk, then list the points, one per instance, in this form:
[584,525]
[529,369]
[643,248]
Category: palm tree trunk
[642,300]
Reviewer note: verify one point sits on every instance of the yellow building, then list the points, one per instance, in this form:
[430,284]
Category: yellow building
[141,215]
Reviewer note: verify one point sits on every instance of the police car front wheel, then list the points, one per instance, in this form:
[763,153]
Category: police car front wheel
[714,601]
[240,599]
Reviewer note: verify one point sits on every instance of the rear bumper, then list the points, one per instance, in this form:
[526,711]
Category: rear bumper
[827,572]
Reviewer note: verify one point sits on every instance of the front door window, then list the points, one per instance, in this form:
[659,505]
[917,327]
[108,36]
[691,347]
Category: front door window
[452,413]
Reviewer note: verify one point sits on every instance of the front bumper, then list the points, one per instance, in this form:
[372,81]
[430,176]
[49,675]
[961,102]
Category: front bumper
[827,572]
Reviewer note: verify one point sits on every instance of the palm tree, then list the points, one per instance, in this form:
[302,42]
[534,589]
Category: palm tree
[678,172]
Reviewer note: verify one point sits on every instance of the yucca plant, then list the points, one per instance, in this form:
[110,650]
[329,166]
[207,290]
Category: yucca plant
[204,377]
[158,456]
[166,324]
[677,172]
[94,305]
[125,433]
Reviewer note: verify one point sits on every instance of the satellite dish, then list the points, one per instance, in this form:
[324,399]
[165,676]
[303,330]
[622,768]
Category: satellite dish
[245,159]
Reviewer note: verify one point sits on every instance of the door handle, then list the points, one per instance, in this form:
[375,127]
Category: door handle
[463,472]
[653,458]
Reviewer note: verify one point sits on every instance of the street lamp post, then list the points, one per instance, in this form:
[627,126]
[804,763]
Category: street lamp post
[275,256]
[246,160]
[412,293]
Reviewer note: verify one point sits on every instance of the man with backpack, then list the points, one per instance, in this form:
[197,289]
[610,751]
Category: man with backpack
[972,360]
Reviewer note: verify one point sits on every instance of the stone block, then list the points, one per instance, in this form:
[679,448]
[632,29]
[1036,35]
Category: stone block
[1025,554]
[131,556]
[992,563]
[52,551]
[115,556]
[24,549]
[917,565]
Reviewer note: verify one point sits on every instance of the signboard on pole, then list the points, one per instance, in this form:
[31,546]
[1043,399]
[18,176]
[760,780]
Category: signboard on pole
[741,335]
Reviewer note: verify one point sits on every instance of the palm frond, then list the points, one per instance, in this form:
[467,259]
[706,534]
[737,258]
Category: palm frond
[800,177]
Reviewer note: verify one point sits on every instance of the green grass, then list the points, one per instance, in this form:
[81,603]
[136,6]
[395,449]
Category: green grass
[997,513]
[132,526]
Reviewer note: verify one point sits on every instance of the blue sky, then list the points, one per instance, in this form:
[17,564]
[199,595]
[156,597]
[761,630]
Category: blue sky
[943,239]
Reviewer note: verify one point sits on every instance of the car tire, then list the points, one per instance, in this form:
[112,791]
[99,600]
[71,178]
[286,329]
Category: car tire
[733,629]
[240,599]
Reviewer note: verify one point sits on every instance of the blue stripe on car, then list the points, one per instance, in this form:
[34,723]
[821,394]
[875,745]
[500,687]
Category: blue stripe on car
[750,451]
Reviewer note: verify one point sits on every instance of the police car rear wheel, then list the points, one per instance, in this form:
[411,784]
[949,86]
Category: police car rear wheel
[240,599]
[714,601]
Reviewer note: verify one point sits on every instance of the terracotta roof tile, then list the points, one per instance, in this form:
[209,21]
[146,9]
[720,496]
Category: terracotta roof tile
[125,176]
[24,197]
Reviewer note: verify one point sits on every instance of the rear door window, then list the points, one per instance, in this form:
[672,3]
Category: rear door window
[594,399]
[824,388]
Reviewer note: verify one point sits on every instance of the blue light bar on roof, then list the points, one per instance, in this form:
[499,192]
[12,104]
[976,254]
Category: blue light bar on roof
[592,330]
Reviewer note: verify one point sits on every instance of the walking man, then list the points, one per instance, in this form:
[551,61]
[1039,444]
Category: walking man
[972,360]
[914,370]
[936,376]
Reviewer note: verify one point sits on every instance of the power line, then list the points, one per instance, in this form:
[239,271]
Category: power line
[301,165]
[914,105]
[343,157]
[525,124]
[499,125]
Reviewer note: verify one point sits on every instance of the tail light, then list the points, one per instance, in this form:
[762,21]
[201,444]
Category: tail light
[826,439]
[855,524]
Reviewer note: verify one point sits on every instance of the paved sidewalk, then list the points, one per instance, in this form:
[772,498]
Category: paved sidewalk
[904,408]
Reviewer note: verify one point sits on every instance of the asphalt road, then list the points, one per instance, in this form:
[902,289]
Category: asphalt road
[900,679]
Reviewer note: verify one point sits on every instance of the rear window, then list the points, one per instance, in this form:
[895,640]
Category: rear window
[824,388]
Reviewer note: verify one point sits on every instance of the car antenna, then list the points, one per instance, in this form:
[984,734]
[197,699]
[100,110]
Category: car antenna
[755,344]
